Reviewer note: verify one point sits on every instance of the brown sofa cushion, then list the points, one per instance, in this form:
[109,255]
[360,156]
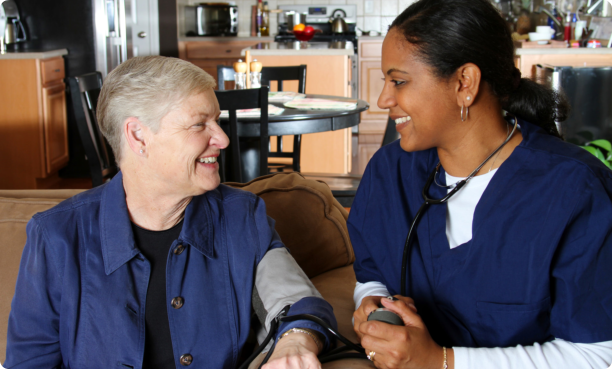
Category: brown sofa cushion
[16,209]
[316,234]
[309,220]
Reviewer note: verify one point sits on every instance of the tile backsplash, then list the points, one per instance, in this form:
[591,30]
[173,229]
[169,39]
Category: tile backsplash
[379,15]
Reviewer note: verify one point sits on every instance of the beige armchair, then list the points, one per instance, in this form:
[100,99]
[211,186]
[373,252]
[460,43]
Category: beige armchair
[311,223]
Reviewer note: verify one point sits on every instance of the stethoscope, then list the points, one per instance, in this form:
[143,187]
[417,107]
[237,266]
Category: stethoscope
[430,201]
[338,353]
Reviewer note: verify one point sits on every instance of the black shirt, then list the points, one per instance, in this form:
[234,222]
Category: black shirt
[155,246]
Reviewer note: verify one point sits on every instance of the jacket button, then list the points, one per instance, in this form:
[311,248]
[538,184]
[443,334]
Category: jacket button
[179,249]
[177,302]
[186,359]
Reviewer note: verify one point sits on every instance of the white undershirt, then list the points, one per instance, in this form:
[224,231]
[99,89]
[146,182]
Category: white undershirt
[557,354]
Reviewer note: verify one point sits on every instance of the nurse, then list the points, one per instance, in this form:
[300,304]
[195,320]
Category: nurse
[513,271]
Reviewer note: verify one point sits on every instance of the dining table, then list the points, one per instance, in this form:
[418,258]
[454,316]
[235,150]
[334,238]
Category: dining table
[290,121]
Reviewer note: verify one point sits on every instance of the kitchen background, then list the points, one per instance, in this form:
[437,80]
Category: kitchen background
[372,15]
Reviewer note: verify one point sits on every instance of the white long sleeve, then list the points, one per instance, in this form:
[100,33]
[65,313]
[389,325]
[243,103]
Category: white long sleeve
[557,354]
[368,289]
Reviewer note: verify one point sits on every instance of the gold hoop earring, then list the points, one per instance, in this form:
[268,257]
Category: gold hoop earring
[467,111]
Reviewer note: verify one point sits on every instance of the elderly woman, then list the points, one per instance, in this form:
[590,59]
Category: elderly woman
[162,266]
[508,260]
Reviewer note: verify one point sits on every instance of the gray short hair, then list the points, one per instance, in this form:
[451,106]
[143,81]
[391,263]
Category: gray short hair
[147,88]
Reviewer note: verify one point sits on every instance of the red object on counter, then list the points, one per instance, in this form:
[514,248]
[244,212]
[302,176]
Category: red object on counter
[567,35]
[306,35]
[568,32]
[593,44]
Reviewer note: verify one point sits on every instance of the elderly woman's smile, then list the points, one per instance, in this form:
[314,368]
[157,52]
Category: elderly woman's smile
[183,152]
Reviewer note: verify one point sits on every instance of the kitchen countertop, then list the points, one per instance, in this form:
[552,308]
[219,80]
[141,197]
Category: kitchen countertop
[301,48]
[33,54]
[225,38]
[562,51]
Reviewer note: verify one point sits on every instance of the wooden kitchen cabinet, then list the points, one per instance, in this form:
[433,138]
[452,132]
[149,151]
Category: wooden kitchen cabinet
[55,128]
[33,126]
[373,120]
[527,58]
[208,54]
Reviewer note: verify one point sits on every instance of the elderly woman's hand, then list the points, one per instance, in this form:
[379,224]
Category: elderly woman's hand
[294,351]
[409,346]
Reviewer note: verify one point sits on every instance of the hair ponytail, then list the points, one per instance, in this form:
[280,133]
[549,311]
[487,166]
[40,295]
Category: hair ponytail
[450,33]
[538,104]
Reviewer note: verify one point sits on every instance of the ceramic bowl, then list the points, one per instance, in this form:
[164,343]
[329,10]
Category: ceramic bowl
[537,36]
[303,36]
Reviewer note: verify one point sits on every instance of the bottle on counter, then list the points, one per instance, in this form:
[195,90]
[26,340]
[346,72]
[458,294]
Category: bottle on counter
[567,35]
[265,20]
[259,17]
[574,20]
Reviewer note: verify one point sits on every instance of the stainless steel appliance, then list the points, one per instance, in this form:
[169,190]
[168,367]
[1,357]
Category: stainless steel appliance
[590,96]
[124,29]
[211,19]
[96,34]
[13,29]
[294,18]
[338,23]
[318,17]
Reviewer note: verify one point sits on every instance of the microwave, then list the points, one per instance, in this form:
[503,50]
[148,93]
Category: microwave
[211,19]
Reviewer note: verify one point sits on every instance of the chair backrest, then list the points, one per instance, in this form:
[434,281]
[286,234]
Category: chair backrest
[233,100]
[224,73]
[84,92]
[280,74]
[390,133]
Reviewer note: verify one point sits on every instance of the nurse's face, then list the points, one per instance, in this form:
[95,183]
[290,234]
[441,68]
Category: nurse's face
[422,105]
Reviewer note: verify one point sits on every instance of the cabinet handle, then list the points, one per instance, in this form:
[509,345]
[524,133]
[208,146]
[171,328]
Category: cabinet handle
[57,71]
[228,51]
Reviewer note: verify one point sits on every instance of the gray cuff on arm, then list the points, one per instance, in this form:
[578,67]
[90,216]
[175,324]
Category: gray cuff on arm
[279,282]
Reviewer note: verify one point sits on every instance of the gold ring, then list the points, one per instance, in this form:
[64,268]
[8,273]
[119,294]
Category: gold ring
[371,356]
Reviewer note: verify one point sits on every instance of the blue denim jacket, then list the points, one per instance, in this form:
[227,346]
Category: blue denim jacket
[82,284]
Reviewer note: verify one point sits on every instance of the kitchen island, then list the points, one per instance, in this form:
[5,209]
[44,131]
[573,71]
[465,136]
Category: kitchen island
[330,69]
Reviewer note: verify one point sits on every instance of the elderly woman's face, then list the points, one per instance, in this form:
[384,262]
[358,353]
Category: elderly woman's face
[185,150]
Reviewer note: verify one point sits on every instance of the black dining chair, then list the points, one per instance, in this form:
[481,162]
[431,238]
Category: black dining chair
[233,100]
[344,186]
[289,73]
[84,93]
[280,74]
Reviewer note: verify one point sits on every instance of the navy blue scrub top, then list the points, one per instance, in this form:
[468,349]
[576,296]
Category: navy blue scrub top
[539,263]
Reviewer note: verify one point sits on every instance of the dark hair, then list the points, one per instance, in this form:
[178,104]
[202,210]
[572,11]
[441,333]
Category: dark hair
[450,33]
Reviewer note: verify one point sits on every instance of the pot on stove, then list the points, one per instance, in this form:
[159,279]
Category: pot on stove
[337,21]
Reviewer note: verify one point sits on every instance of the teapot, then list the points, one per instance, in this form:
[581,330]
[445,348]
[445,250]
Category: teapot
[337,21]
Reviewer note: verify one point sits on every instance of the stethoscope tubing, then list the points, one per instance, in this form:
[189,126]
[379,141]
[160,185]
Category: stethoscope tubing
[406,256]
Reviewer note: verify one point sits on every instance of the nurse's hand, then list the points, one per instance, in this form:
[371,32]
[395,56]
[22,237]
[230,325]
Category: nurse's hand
[294,351]
[406,347]
[368,305]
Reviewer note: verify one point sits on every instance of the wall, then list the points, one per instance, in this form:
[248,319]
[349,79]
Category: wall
[378,18]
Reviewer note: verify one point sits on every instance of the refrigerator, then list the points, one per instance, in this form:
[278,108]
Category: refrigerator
[99,35]
[589,92]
